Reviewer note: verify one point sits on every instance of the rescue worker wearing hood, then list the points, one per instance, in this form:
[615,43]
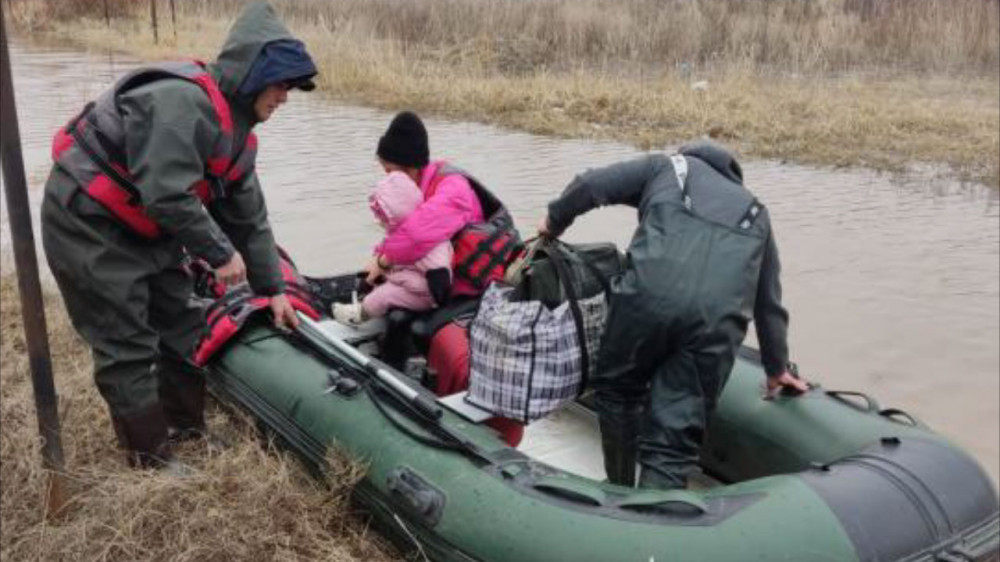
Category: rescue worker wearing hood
[159,167]
[702,263]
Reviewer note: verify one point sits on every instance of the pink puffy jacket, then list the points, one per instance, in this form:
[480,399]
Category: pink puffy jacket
[452,206]
[395,199]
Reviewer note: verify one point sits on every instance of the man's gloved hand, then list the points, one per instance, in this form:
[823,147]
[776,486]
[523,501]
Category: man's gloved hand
[283,313]
[232,272]
[784,380]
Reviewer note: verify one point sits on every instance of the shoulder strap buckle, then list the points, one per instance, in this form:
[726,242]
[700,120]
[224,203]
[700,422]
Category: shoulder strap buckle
[753,211]
[681,169]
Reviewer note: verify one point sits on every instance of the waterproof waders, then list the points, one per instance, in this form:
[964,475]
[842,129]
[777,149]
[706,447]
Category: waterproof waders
[679,312]
[161,164]
[130,300]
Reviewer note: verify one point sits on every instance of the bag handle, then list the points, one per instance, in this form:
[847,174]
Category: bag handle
[605,285]
[562,275]
[515,271]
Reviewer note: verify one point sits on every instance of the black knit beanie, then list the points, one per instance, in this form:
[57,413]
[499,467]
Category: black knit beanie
[405,142]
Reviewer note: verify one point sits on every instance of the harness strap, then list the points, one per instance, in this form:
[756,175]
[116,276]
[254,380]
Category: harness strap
[753,211]
[500,257]
[563,275]
[102,164]
[681,169]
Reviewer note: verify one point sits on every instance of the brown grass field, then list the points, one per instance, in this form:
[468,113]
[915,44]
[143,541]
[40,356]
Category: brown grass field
[247,502]
[879,83]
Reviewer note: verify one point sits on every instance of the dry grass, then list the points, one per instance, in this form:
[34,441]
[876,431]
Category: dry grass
[244,503]
[789,35]
[879,83]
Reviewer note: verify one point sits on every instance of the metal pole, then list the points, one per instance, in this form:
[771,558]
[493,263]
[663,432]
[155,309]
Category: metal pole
[173,19]
[107,14]
[152,15]
[32,306]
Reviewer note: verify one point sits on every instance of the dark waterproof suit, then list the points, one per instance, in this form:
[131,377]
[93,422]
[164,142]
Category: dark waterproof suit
[128,295]
[701,265]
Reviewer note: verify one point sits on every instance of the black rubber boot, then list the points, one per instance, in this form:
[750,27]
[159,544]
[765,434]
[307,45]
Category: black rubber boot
[182,393]
[395,347]
[143,435]
[618,442]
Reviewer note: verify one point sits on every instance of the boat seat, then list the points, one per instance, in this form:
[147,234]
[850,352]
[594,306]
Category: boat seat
[409,332]
[427,324]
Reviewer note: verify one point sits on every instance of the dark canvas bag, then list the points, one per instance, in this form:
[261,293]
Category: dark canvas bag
[534,344]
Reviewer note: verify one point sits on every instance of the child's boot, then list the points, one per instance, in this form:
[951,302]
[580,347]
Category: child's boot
[351,313]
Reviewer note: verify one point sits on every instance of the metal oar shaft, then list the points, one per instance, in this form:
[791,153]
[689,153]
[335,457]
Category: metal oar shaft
[310,329]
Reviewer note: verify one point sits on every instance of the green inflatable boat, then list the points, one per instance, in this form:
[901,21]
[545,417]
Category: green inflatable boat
[829,476]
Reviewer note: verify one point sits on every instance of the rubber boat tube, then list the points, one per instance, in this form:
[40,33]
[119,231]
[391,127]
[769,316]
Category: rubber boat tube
[829,476]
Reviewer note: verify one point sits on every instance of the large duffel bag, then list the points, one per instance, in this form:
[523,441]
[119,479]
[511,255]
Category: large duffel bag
[535,343]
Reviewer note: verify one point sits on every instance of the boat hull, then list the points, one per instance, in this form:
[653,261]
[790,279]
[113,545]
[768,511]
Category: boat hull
[811,475]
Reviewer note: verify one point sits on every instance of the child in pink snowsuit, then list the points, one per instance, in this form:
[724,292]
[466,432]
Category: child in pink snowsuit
[405,286]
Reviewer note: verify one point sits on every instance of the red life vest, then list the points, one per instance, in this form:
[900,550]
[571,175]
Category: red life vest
[482,250]
[91,148]
[230,311]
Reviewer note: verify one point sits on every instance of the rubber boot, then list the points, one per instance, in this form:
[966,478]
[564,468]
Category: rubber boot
[618,442]
[143,435]
[395,341]
[182,394]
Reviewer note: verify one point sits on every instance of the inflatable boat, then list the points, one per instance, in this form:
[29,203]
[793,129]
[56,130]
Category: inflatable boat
[827,476]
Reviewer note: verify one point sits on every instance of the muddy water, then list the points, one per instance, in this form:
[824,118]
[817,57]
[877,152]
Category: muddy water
[893,287]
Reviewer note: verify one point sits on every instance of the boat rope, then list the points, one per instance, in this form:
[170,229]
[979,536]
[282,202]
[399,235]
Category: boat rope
[452,442]
[423,439]
[406,530]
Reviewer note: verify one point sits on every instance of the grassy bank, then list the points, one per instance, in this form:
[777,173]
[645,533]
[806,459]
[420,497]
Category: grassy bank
[243,503]
[877,83]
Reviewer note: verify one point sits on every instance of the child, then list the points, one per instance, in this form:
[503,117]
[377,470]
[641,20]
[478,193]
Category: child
[395,197]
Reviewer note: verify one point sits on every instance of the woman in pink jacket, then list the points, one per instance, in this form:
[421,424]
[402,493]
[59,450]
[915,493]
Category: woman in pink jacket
[450,204]
[406,286]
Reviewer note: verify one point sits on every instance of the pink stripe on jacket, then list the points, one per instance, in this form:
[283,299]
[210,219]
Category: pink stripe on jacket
[395,198]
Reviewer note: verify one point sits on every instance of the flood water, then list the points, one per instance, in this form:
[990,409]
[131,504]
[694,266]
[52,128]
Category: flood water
[893,286]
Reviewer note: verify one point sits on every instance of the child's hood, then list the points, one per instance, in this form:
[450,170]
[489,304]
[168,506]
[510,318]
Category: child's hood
[394,198]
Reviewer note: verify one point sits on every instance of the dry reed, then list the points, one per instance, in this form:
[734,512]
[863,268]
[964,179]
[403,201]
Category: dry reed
[883,84]
[785,35]
[246,502]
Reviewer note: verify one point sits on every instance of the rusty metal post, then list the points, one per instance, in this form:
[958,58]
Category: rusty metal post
[173,19]
[107,14]
[32,306]
[152,15]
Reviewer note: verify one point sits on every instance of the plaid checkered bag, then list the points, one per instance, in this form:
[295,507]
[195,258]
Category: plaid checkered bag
[527,359]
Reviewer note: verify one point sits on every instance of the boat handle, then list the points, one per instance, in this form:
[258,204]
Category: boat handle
[570,490]
[421,496]
[652,499]
[902,416]
[871,405]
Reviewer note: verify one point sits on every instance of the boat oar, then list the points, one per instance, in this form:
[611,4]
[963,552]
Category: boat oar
[315,333]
